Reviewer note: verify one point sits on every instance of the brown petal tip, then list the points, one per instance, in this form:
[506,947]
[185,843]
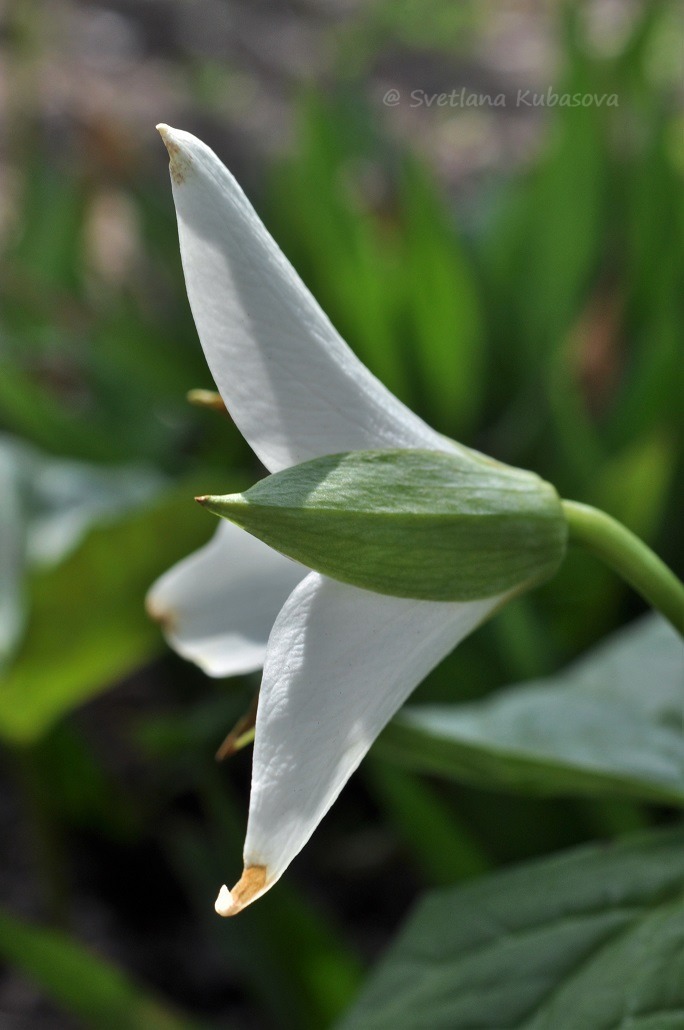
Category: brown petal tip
[251,884]
[179,161]
[165,618]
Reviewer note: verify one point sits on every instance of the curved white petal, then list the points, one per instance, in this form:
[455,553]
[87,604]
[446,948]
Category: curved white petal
[339,664]
[293,387]
[218,605]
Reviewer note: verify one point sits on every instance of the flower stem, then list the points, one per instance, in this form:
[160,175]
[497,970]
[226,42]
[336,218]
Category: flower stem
[629,556]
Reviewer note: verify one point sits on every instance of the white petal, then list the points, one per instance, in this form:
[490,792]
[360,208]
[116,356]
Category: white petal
[293,387]
[340,662]
[218,605]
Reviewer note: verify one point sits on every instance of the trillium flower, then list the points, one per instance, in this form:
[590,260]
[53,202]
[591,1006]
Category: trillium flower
[338,661]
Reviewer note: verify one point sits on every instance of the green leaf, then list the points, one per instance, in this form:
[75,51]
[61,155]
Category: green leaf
[592,939]
[12,558]
[424,524]
[47,505]
[442,307]
[86,986]
[634,484]
[561,240]
[611,724]
[61,499]
[27,408]
[88,627]
[53,212]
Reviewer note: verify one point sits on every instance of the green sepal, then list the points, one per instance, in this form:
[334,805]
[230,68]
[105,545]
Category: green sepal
[410,523]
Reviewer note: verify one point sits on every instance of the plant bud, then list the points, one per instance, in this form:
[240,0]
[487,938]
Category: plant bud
[410,523]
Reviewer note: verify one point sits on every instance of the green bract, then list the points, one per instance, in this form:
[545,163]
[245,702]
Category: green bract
[410,523]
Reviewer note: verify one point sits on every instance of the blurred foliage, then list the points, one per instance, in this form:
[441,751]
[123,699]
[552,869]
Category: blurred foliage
[541,325]
[86,986]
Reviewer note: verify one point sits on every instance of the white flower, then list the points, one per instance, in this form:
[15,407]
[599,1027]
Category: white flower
[338,661]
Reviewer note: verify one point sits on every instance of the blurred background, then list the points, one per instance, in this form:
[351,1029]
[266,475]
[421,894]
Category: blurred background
[509,266]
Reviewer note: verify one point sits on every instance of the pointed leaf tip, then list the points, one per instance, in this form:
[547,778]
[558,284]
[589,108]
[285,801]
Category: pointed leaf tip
[223,505]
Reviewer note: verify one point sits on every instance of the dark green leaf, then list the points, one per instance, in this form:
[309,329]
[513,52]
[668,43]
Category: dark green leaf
[591,939]
[612,724]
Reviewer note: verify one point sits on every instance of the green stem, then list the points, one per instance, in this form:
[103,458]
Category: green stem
[629,557]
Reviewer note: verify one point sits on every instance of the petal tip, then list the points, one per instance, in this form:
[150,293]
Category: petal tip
[249,887]
[165,618]
[224,904]
[180,161]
